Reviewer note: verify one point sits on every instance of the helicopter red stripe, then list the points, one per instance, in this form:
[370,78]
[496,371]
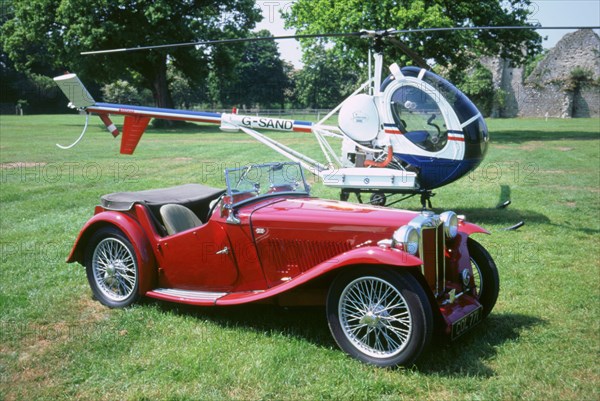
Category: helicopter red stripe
[393,131]
[302,129]
[456,138]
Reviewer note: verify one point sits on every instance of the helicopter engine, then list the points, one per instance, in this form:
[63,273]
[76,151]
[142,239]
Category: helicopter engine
[359,118]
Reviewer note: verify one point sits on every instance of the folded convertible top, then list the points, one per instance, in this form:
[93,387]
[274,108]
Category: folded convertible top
[183,194]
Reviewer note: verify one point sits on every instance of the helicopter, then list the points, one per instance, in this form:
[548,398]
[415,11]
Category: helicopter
[408,133]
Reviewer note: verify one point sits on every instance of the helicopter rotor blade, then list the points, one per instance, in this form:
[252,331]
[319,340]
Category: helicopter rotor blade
[419,61]
[223,41]
[364,33]
[487,28]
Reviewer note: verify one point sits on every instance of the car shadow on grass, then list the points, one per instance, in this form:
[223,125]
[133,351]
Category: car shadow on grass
[470,355]
[306,323]
[467,356]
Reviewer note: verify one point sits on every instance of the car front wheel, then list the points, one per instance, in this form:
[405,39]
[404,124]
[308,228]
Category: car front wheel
[485,276]
[379,316]
[112,268]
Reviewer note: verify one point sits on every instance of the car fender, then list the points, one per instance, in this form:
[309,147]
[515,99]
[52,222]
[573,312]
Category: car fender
[470,228]
[368,255]
[371,255]
[134,233]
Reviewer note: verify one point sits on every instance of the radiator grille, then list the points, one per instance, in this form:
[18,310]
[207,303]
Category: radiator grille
[432,253]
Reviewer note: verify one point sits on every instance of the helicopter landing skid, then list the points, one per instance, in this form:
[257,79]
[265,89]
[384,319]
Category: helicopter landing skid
[381,198]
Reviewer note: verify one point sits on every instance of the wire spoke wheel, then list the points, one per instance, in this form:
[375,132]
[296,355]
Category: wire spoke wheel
[478,284]
[112,268]
[379,316]
[375,317]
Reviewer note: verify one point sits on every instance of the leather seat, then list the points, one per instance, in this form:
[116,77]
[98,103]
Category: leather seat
[178,218]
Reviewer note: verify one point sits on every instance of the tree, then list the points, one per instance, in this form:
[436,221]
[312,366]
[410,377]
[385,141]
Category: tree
[261,77]
[122,92]
[478,84]
[36,93]
[183,91]
[33,91]
[58,30]
[457,48]
[322,83]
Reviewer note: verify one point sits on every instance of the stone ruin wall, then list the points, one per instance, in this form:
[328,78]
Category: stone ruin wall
[545,92]
[553,101]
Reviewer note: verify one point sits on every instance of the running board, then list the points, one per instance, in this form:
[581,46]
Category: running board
[186,296]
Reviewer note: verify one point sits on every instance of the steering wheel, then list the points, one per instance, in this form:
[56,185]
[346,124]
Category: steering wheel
[430,123]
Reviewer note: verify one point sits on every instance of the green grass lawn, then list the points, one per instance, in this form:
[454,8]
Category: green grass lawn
[541,342]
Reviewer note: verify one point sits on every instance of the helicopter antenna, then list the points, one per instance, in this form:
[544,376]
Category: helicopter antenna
[364,33]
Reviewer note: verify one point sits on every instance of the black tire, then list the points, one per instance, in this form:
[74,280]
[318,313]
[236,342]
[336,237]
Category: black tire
[112,268]
[485,276]
[378,199]
[383,332]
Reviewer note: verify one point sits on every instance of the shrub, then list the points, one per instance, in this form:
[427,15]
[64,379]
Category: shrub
[123,92]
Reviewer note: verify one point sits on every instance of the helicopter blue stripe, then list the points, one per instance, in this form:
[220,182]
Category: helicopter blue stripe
[125,107]
[307,123]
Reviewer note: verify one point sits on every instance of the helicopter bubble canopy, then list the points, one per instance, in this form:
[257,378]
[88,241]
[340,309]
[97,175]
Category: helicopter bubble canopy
[427,118]
[431,116]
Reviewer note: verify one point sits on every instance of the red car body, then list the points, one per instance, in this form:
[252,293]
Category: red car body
[288,248]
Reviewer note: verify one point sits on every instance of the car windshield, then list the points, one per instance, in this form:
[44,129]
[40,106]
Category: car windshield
[261,180]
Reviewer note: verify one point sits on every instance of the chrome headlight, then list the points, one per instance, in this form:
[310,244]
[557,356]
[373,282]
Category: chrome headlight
[450,221]
[408,238]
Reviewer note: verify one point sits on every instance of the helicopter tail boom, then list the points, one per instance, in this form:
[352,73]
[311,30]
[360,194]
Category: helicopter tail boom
[138,117]
[135,115]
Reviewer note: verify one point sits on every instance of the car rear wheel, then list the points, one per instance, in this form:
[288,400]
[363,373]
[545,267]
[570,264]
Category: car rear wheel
[381,317]
[485,276]
[112,268]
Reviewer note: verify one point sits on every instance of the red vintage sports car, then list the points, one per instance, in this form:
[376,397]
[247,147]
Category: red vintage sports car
[389,278]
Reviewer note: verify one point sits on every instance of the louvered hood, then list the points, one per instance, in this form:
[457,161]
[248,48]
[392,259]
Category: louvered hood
[293,235]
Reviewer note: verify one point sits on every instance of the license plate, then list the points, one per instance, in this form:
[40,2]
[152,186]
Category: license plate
[463,325]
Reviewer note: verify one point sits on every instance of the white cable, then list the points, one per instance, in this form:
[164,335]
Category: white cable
[87,118]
